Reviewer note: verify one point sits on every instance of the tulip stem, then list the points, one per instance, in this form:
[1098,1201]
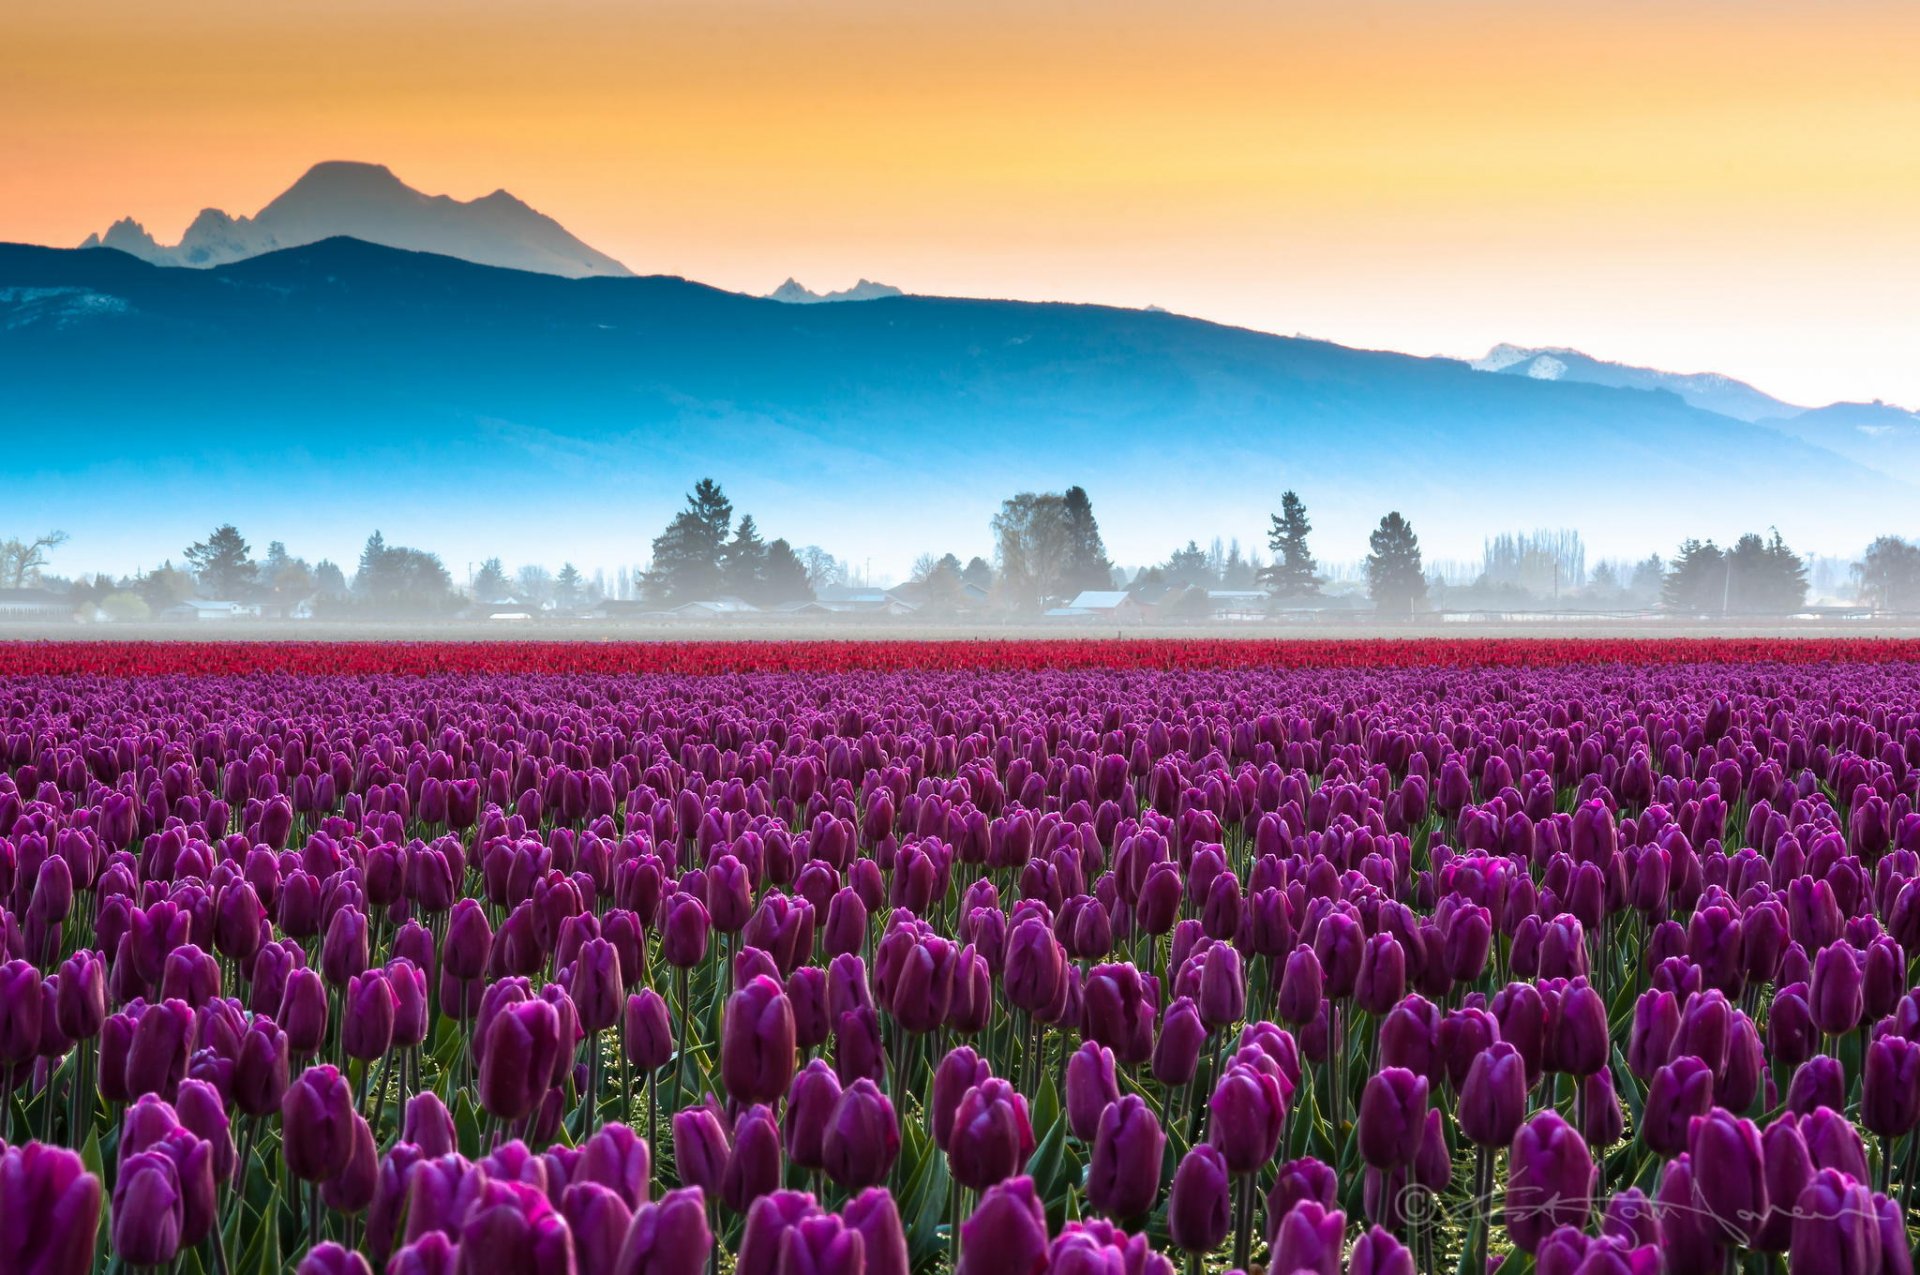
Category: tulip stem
[953,1223]
[1243,1223]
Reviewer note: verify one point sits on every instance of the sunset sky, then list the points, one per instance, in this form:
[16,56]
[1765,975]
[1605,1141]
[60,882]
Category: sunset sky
[1718,185]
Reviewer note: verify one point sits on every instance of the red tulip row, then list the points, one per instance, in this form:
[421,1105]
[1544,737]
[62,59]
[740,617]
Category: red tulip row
[241,658]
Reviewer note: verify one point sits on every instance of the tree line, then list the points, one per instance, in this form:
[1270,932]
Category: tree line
[1047,550]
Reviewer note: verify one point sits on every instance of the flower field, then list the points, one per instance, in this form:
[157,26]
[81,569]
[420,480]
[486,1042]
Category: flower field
[1009,958]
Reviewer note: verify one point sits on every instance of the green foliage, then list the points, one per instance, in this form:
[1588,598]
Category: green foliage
[1395,580]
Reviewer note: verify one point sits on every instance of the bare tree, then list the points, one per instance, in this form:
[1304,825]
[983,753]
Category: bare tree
[21,560]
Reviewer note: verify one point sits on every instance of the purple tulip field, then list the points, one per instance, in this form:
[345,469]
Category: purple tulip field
[1587,968]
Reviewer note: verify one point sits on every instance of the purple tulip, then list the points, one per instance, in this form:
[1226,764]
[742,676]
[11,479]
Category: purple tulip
[1493,1100]
[1550,1180]
[1200,1204]
[811,1099]
[992,1135]
[753,1165]
[862,1138]
[1007,1234]
[1729,1173]
[670,1237]
[316,1124]
[512,1227]
[1091,1085]
[429,1125]
[1835,1227]
[49,1211]
[148,1211]
[619,1159]
[1392,1119]
[699,1149]
[1890,1097]
[822,1245]
[1378,1253]
[1123,1176]
[366,1026]
[1245,1117]
[647,1030]
[769,1222]
[757,1043]
[1309,1238]
[1837,996]
[875,1216]
[522,1047]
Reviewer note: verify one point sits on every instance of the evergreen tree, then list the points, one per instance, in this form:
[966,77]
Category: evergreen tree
[329,580]
[223,564]
[1293,573]
[1395,579]
[978,573]
[491,584]
[1189,565]
[743,564]
[687,555]
[786,576]
[371,556]
[568,585]
[1698,584]
[1764,577]
[1086,566]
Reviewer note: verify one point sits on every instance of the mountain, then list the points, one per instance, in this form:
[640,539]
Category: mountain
[1878,435]
[367,202]
[312,394]
[793,292]
[1708,391]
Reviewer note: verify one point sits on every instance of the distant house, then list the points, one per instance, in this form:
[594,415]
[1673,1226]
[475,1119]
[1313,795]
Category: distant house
[1238,604]
[1162,602]
[199,610]
[626,609]
[34,604]
[840,599]
[727,608]
[1111,606]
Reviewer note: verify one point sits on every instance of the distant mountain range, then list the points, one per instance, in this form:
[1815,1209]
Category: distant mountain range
[1877,435]
[330,388]
[794,293]
[1708,390]
[366,201]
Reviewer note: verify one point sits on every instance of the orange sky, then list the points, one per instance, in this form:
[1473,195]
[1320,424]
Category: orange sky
[1698,184]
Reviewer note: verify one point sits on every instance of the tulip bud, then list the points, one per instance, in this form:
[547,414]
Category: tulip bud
[810,1102]
[958,1072]
[1890,1101]
[757,1043]
[1199,1207]
[862,1138]
[366,1026]
[1091,1085]
[670,1237]
[522,1047]
[1309,1238]
[699,1149]
[1123,1177]
[148,1212]
[1549,1180]
[1245,1117]
[753,1163]
[1392,1119]
[49,1211]
[1493,1100]
[991,1137]
[1007,1232]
